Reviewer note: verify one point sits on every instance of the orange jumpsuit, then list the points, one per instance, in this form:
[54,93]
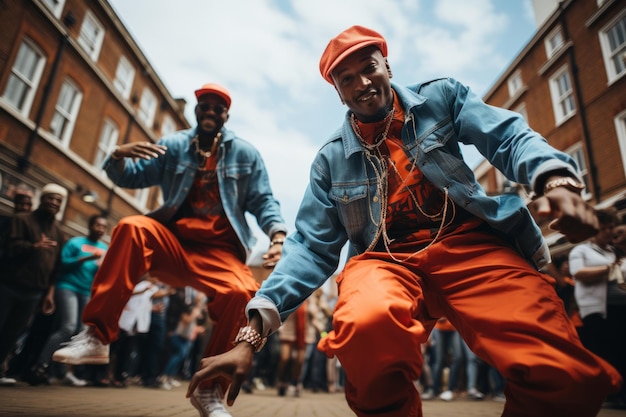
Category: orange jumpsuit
[497,302]
[140,244]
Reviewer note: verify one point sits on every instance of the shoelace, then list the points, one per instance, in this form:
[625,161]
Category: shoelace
[210,399]
[77,338]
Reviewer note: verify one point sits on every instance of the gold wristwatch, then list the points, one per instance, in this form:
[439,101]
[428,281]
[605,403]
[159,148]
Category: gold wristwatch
[567,182]
[249,335]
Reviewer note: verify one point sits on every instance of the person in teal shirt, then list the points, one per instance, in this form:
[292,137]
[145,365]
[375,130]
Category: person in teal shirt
[80,259]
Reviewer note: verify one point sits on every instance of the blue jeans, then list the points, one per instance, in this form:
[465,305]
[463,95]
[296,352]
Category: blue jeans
[179,351]
[69,309]
[472,365]
[447,343]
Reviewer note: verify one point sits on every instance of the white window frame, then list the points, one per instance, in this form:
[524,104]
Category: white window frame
[91,35]
[21,87]
[141,196]
[168,126]
[124,77]
[521,109]
[108,140]
[614,56]
[578,153]
[514,83]
[66,112]
[55,6]
[561,98]
[147,107]
[620,129]
[551,47]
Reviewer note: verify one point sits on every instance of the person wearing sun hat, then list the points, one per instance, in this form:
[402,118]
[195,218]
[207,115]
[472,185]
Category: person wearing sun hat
[199,237]
[29,265]
[426,241]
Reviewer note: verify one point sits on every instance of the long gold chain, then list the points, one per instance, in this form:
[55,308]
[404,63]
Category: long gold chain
[380,167]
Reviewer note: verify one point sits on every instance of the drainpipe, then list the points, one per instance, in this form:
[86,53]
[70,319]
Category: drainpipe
[23,162]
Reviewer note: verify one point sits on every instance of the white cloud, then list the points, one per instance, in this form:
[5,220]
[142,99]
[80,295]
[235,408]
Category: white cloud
[267,53]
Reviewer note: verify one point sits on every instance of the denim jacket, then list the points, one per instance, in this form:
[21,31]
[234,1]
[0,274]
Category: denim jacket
[243,182]
[340,201]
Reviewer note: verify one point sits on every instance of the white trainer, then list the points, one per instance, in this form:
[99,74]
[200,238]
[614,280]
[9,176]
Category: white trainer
[73,380]
[84,348]
[209,402]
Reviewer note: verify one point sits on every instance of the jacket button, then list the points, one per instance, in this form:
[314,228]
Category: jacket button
[345,198]
[375,199]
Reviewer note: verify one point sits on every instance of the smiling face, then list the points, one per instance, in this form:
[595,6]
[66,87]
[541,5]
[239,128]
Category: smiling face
[363,82]
[211,114]
[51,203]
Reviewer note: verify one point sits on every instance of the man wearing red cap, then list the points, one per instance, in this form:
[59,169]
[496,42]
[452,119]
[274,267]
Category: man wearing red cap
[426,241]
[199,237]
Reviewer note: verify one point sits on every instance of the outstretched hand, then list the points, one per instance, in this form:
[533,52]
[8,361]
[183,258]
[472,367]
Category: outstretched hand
[569,213]
[234,364]
[143,150]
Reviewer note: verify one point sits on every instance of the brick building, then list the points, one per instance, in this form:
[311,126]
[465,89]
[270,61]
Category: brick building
[73,85]
[569,82]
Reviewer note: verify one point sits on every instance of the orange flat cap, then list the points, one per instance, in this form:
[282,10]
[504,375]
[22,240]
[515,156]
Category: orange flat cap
[347,42]
[217,89]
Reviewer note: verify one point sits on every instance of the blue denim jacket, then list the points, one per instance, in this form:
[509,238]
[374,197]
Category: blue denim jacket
[341,200]
[243,182]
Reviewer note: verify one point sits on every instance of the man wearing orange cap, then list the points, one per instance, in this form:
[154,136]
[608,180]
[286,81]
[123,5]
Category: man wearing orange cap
[199,237]
[425,241]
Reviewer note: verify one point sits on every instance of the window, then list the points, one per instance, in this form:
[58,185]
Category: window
[613,43]
[124,76]
[169,126]
[554,41]
[141,196]
[91,35]
[108,140]
[55,6]
[620,128]
[24,78]
[562,95]
[521,109]
[514,83]
[147,107]
[578,154]
[65,112]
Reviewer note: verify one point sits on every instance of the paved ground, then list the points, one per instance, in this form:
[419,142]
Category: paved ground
[62,401]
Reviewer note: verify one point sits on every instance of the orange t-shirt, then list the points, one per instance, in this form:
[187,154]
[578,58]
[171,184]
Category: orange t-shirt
[204,220]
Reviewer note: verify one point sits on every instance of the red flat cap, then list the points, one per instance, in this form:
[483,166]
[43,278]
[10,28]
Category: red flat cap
[211,88]
[347,42]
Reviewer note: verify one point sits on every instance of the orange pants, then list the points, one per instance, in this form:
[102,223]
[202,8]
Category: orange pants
[140,244]
[509,314]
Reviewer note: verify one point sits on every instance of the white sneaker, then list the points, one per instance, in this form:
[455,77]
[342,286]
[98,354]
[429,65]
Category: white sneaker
[84,348]
[428,394]
[209,402]
[5,381]
[474,394]
[71,379]
[174,383]
[446,395]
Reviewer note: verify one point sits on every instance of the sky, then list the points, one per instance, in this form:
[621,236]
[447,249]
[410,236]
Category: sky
[266,53]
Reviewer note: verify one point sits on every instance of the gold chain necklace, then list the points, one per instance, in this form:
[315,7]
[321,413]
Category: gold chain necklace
[202,152]
[380,167]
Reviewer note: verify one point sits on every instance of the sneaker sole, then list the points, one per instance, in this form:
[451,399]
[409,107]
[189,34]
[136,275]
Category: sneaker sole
[90,360]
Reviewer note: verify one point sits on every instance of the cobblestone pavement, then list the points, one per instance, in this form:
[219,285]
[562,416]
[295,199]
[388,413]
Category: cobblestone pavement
[134,401]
